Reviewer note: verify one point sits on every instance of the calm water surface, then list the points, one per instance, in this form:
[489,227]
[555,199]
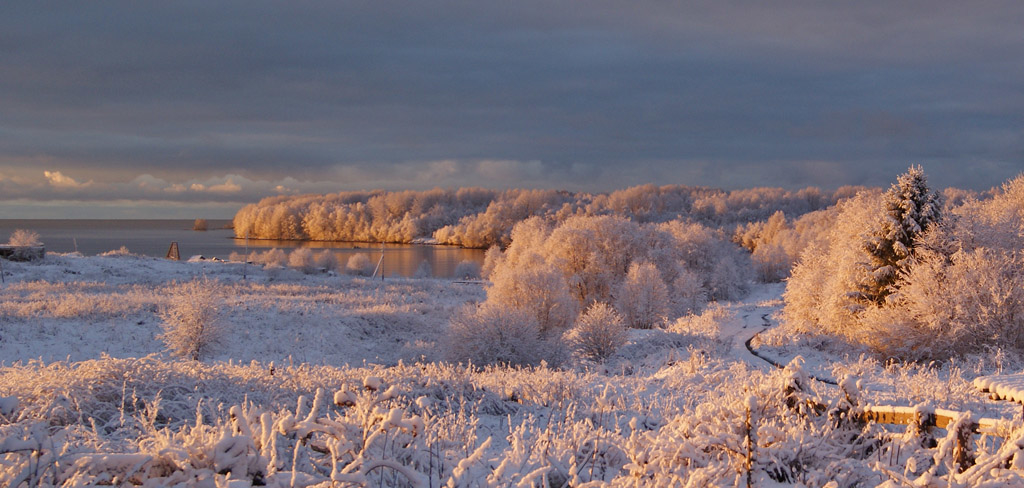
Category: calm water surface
[154,237]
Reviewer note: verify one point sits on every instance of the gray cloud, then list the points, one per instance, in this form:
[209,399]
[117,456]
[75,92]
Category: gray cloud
[591,95]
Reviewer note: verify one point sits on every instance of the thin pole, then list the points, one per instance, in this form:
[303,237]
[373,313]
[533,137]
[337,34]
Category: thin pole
[2,272]
[382,260]
[245,259]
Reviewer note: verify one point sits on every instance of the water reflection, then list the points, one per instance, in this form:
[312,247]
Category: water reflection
[153,238]
[399,259]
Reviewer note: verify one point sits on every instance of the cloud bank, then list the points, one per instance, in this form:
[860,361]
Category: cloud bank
[230,101]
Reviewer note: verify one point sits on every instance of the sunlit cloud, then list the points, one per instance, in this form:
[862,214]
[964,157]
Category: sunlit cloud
[59,180]
[226,187]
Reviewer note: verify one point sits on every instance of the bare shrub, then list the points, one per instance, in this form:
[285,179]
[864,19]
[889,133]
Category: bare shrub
[494,334]
[122,251]
[200,224]
[598,333]
[190,320]
[22,237]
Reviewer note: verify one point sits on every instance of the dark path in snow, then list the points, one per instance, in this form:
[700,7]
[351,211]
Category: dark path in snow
[782,366]
[757,306]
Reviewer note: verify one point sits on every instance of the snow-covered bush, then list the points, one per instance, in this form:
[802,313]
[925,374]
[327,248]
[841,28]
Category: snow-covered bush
[821,294]
[953,305]
[598,333]
[424,270]
[707,324]
[359,264]
[675,267]
[467,270]
[271,258]
[23,237]
[326,259]
[191,320]
[643,297]
[302,259]
[492,334]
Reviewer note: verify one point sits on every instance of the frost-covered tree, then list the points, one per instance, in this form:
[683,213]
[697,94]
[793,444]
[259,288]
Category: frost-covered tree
[191,328]
[822,294]
[492,257]
[957,284]
[597,334]
[536,289]
[643,297]
[909,208]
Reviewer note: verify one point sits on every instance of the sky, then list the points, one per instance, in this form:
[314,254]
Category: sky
[192,109]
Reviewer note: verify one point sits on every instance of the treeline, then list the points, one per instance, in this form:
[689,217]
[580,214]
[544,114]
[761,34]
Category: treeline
[477,217]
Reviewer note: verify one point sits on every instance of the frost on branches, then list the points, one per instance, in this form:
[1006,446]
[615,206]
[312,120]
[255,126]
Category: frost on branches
[921,288]
[190,320]
[650,273]
[909,208]
[598,333]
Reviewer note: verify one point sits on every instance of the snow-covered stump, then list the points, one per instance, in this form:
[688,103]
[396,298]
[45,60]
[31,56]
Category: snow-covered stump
[845,412]
[795,390]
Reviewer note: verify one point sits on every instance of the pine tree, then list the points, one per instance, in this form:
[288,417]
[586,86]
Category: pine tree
[909,208]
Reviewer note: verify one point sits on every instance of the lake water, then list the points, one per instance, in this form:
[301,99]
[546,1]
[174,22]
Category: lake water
[154,237]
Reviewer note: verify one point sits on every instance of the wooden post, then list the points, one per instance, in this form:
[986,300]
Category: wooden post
[962,456]
[751,443]
[245,259]
[172,253]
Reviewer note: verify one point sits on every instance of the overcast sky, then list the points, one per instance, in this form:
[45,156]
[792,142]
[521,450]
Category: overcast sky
[178,109]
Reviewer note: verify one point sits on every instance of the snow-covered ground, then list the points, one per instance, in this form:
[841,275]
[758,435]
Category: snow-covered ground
[78,308]
[355,394]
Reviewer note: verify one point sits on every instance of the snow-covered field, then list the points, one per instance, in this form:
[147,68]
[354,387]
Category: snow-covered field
[336,381]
